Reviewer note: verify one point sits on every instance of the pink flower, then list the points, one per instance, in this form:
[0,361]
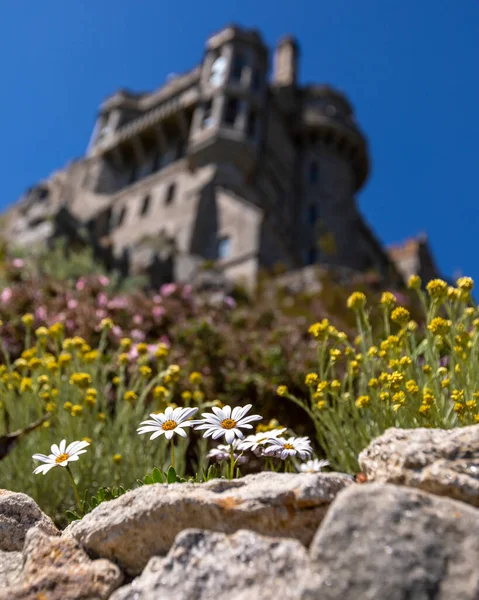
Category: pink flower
[104,280]
[41,313]
[138,319]
[72,303]
[186,291]
[118,303]
[80,284]
[102,299]
[100,313]
[157,299]
[168,289]
[230,302]
[117,331]
[157,312]
[18,263]
[6,295]
[70,324]
[137,335]
[164,339]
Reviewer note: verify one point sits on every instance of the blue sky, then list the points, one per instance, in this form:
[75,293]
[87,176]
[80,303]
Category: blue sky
[410,68]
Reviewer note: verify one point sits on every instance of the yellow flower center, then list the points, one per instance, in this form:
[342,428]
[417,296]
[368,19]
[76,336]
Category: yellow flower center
[61,458]
[169,425]
[289,446]
[228,424]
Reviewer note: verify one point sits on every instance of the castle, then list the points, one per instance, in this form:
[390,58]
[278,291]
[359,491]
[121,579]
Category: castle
[226,164]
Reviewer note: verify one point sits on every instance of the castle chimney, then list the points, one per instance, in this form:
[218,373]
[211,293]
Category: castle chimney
[285,65]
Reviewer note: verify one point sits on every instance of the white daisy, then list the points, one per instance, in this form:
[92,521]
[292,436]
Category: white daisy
[254,441]
[293,446]
[223,452]
[313,466]
[61,455]
[226,422]
[170,422]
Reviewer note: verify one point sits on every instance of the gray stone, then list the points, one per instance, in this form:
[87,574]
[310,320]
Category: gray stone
[149,518]
[204,565]
[10,568]
[443,462]
[57,568]
[384,541]
[18,513]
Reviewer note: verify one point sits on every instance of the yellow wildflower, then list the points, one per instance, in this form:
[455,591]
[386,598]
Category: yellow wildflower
[424,409]
[427,370]
[41,332]
[195,378]
[373,383]
[437,289]
[77,410]
[439,326]
[319,330]
[465,283]
[56,330]
[26,385]
[142,348]
[321,405]
[91,356]
[81,380]
[160,392]
[64,359]
[400,315]
[123,358]
[282,390]
[186,395]
[130,396]
[106,324]
[388,299]
[21,364]
[363,401]
[101,417]
[198,396]
[117,458]
[311,379]
[373,351]
[161,352]
[412,387]
[50,406]
[414,282]
[446,382]
[145,371]
[356,301]
[34,363]
[459,408]
[28,319]
[116,380]
[335,385]
[68,405]
[125,344]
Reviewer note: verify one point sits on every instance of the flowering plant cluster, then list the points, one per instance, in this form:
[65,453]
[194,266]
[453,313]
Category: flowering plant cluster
[403,374]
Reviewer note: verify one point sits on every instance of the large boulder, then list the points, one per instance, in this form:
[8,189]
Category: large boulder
[385,541]
[144,522]
[57,568]
[205,565]
[10,568]
[443,462]
[18,514]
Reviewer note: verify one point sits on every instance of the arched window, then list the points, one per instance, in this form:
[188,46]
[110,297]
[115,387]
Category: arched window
[170,194]
[145,205]
[121,216]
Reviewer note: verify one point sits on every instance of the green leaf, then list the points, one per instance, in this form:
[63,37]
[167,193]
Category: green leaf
[171,477]
[121,491]
[94,502]
[149,480]
[157,476]
[140,482]
[72,516]
[101,495]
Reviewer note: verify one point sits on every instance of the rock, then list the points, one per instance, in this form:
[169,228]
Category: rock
[204,565]
[443,462]
[149,518]
[10,568]
[57,568]
[18,513]
[384,541]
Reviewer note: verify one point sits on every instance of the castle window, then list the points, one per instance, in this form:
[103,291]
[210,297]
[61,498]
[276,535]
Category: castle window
[252,126]
[231,112]
[207,120]
[170,194]
[256,80]
[239,62]
[313,173]
[145,206]
[224,247]
[121,217]
[312,214]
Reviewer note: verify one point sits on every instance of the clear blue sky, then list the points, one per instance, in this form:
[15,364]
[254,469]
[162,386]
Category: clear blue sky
[410,68]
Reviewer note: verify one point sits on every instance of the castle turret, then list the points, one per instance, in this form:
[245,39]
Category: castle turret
[233,88]
[285,63]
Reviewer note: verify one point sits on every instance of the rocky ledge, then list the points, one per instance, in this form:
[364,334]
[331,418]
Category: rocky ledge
[411,531]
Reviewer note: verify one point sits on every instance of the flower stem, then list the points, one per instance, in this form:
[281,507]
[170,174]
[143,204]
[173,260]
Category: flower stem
[172,453]
[75,490]
[232,461]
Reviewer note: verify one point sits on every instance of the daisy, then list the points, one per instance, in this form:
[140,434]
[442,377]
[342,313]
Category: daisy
[223,452]
[172,421]
[313,466]
[61,455]
[254,441]
[293,446]
[226,422]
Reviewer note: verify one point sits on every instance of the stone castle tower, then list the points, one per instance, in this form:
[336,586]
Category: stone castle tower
[224,163]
